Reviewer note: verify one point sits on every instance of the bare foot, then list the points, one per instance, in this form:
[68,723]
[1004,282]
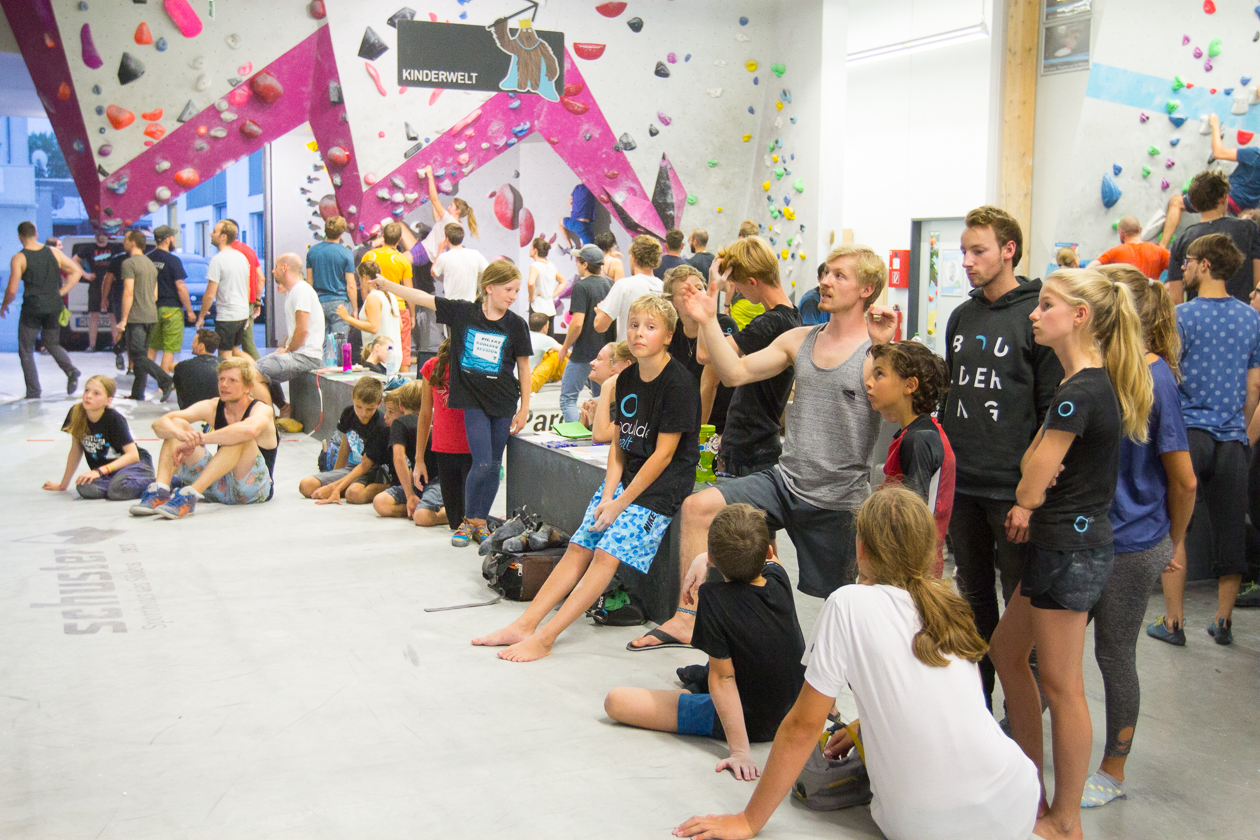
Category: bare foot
[1049,831]
[509,635]
[679,625]
[527,650]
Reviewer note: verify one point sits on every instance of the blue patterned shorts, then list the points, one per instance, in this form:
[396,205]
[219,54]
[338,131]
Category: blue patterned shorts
[254,488]
[633,537]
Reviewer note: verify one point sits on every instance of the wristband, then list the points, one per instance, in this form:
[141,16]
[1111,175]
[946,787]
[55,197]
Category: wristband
[104,470]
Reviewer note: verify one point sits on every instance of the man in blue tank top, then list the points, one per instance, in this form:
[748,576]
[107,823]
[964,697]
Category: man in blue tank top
[47,275]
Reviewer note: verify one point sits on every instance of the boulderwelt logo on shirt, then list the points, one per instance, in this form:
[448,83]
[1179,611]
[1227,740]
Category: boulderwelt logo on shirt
[630,430]
[483,352]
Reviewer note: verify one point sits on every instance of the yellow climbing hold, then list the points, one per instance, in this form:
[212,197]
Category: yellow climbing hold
[774,158]
[784,253]
[719,209]
[747,137]
[789,213]
[750,65]
[778,105]
[802,255]
[765,185]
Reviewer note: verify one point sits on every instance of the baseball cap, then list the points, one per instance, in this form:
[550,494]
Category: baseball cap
[163,231]
[589,254]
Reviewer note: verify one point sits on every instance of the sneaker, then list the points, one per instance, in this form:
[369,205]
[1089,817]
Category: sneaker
[1222,631]
[1159,630]
[72,382]
[183,503]
[1249,597]
[463,536]
[91,349]
[479,533]
[154,496]
[167,390]
[118,361]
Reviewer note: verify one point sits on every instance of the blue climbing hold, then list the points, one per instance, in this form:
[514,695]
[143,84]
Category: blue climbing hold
[1172,142]
[1116,169]
[687,58]
[1110,191]
[96,89]
[1246,80]
[520,130]
[793,119]
[750,109]
[756,81]
[1176,120]
[1228,91]
[744,21]
[160,43]
[514,104]
[787,199]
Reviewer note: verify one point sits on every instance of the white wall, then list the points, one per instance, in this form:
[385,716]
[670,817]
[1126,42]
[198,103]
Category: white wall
[918,126]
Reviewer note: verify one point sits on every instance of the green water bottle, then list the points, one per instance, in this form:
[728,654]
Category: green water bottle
[704,470]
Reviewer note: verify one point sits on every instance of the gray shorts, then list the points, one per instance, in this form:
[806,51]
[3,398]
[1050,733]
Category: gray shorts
[825,540]
[430,499]
[230,333]
[376,475]
[1067,580]
[281,367]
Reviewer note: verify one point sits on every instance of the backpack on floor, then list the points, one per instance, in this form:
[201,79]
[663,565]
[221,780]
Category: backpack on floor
[618,607]
[828,784]
[518,577]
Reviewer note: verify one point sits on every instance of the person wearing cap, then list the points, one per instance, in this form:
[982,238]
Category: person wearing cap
[582,338]
[174,307]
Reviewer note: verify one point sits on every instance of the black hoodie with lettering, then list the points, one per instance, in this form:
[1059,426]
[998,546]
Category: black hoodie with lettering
[1001,383]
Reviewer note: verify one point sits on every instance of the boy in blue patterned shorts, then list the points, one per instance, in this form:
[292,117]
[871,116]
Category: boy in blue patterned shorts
[655,409]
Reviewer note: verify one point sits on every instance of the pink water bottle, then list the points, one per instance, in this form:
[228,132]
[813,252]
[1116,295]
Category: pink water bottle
[345,357]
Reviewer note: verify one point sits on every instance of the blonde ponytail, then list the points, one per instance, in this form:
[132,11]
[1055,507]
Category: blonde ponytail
[1156,309]
[465,211]
[77,425]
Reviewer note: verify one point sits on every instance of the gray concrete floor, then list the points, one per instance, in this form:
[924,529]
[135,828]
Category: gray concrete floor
[279,678]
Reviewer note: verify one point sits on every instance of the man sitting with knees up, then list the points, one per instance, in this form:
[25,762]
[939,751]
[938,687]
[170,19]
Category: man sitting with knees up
[237,473]
[304,349]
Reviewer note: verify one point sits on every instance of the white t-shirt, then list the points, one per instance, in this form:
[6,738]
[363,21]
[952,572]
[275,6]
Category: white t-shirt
[623,293]
[230,270]
[940,767]
[459,269]
[438,233]
[302,298]
[544,287]
[389,325]
[541,344]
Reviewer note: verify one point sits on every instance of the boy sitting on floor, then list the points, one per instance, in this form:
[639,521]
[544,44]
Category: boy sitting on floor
[655,409]
[400,499]
[362,449]
[748,626]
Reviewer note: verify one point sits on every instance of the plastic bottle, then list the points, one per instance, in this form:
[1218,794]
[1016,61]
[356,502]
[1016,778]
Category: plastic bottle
[704,470]
[330,350]
[345,357]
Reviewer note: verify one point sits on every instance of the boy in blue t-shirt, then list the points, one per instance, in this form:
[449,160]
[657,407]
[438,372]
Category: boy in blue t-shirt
[330,271]
[1220,388]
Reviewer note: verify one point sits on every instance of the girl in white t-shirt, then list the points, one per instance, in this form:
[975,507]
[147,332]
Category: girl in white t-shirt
[907,646]
[542,278]
[378,316]
[459,212]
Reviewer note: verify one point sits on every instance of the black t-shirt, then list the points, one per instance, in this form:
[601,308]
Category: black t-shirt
[115,268]
[756,628]
[170,269]
[920,454]
[669,261]
[196,379]
[106,439]
[702,262]
[670,403]
[683,349]
[1244,233]
[95,260]
[483,356]
[752,423]
[587,292]
[1074,515]
[367,440]
[402,431]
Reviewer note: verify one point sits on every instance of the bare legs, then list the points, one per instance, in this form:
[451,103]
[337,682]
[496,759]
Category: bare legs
[645,708]
[1059,636]
[1175,207]
[582,575]
[697,514]
[1174,584]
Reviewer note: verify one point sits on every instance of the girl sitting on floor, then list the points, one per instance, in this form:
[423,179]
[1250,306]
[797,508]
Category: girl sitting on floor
[118,469]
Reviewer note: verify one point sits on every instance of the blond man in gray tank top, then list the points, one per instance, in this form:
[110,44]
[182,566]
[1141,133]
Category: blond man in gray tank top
[823,475]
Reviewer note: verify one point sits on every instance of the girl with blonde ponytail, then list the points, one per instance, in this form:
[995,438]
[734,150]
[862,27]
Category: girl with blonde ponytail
[907,646]
[1069,481]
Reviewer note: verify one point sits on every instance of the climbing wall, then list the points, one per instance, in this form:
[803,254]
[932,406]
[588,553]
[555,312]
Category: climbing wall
[1158,69]
[668,113]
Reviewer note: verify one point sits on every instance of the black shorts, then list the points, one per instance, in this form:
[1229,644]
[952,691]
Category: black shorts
[825,540]
[1067,580]
[94,294]
[230,333]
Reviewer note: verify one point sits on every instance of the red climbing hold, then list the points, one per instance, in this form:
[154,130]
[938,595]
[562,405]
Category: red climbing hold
[507,206]
[316,9]
[573,88]
[251,129]
[238,96]
[465,122]
[202,131]
[338,155]
[152,116]
[610,10]
[573,106]
[1211,90]
[187,178]
[143,35]
[376,77]
[369,179]
[266,87]
[1209,7]
[611,174]
[155,131]
[119,117]
[1244,137]
[433,97]
[527,227]
[590,52]
[555,141]
[64,92]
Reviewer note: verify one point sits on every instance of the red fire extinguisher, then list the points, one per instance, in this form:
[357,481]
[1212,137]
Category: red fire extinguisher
[897,330]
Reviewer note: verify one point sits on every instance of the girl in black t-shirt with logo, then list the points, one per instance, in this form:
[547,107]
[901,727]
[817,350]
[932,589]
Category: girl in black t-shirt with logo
[489,343]
[118,469]
[1069,481]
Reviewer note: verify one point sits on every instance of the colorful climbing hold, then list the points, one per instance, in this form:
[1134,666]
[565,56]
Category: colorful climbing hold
[155,131]
[692,198]
[1116,169]
[799,185]
[750,65]
[64,92]
[1244,137]
[91,57]
[743,21]
[663,119]
[1174,141]
[1198,53]
[765,185]
[1169,163]
[1177,84]
[1163,185]
[1172,105]
[1143,117]
[266,87]
[105,150]
[376,77]
[1214,48]
[183,16]
[143,35]
[339,156]
[588,51]
[1207,66]
[610,10]
[1177,120]
[251,129]
[672,58]
[1185,39]
[1110,190]
[316,9]
[1152,150]
[778,70]
[635,24]
[574,88]
[573,106]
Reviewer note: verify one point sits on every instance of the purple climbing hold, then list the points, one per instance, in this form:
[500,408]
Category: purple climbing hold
[1185,39]
[1207,66]
[1198,53]
[130,68]
[673,59]
[1163,185]
[105,150]
[90,56]
[1143,117]
[664,119]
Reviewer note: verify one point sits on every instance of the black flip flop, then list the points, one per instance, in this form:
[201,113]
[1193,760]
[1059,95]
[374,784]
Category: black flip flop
[667,641]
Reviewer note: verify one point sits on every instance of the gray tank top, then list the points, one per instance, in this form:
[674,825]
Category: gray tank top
[831,431]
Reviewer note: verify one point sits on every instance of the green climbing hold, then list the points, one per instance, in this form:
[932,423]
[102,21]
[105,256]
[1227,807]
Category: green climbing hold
[780,69]
[771,149]
[1146,171]
[791,239]
[1172,105]
[1186,186]
[774,214]
[1177,83]
[1152,150]
[692,199]
[712,162]
[799,185]
[1214,48]
[778,173]
[1115,225]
